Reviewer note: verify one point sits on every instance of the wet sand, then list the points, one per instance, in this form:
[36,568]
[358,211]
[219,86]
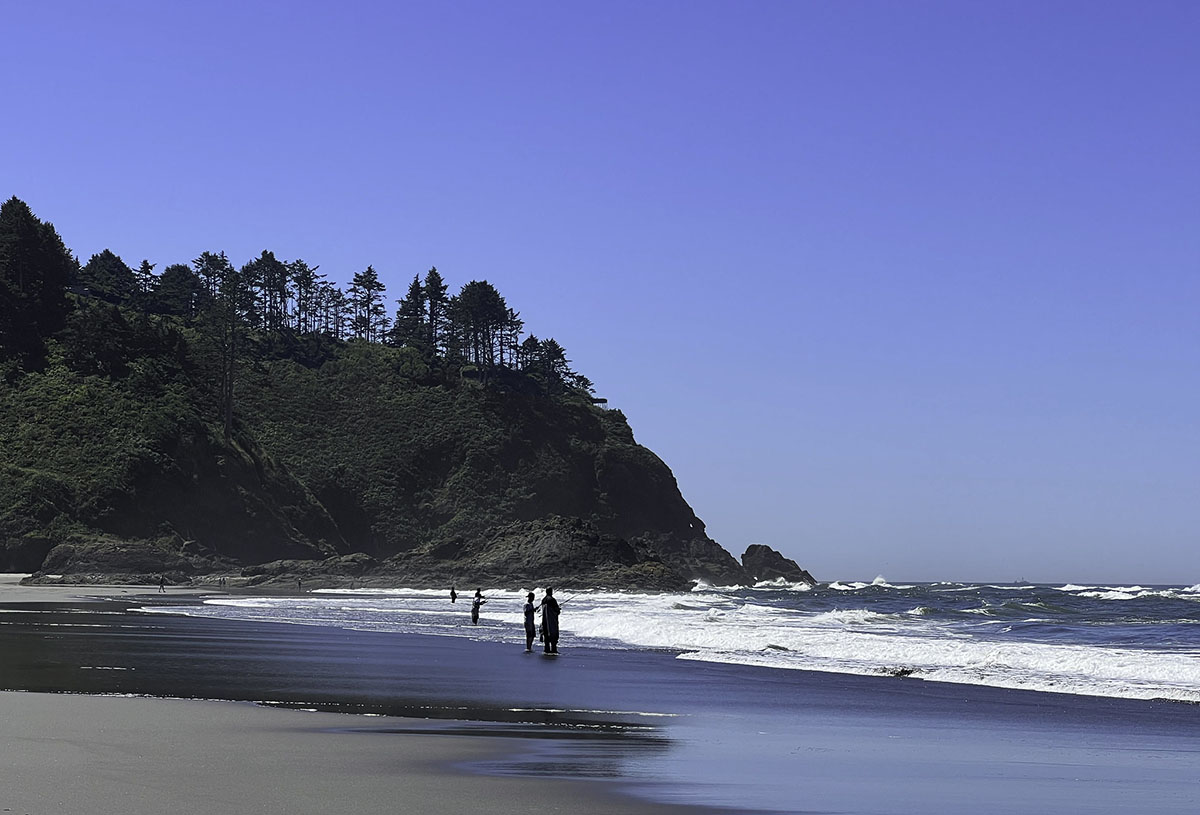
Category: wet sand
[69,753]
[64,754]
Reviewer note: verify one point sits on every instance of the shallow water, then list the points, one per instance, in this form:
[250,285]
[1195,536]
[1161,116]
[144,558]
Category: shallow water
[1125,641]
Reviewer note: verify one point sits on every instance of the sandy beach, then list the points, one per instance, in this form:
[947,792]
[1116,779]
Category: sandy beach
[65,754]
[76,754]
[110,719]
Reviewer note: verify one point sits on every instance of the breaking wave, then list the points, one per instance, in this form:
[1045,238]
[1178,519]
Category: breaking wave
[1069,639]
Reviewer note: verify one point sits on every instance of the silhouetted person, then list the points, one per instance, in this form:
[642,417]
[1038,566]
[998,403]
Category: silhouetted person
[453,594]
[162,583]
[530,628]
[475,604]
[550,611]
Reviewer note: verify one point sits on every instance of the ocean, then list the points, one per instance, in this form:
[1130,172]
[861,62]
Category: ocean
[1133,642]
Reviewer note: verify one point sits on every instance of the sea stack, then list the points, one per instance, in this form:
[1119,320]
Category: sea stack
[761,562]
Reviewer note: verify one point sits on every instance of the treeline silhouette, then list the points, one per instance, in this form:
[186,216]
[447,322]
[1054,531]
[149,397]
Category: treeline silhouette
[267,306]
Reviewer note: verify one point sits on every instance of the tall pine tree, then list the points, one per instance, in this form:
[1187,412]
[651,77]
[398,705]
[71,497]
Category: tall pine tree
[368,320]
[35,270]
[437,305]
[410,327]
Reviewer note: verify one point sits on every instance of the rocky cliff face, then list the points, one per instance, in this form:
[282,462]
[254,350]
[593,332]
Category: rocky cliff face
[426,483]
[447,482]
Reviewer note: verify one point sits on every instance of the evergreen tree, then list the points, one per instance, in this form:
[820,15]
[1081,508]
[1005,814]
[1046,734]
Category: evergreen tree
[179,292]
[554,360]
[98,340]
[550,364]
[510,337]
[35,270]
[143,277]
[479,315]
[332,310]
[269,277]
[307,287]
[230,313]
[410,327]
[368,319]
[438,309]
[529,353]
[107,277]
[210,268]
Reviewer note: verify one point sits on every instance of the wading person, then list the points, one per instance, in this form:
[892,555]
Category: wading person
[475,604]
[453,594]
[550,611]
[530,628]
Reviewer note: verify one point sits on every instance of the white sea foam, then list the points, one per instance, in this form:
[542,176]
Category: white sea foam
[387,592]
[1108,595]
[780,584]
[1131,591]
[1029,666]
[739,626]
[1137,592]
[703,585]
[849,616]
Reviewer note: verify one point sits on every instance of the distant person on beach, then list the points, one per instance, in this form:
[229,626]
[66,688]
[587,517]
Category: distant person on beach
[453,594]
[530,628]
[162,583]
[475,604]
[550,612]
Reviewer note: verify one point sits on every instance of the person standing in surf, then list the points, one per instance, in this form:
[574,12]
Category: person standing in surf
[453,594]
[550,612]
[530,627]
[475,604]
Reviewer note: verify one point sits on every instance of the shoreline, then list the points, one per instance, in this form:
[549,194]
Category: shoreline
[76,752]
[624,731]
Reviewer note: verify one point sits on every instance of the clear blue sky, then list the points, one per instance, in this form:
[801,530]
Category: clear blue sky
[909,288]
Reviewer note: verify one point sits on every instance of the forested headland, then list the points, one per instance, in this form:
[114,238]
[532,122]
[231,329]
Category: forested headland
[256,419]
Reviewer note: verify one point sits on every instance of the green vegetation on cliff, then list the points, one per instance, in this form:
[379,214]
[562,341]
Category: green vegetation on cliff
[215,418]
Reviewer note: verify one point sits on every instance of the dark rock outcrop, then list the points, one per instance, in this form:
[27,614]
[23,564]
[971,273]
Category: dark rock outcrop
[764,563]
[332,571]
[97,559]
[24,554]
